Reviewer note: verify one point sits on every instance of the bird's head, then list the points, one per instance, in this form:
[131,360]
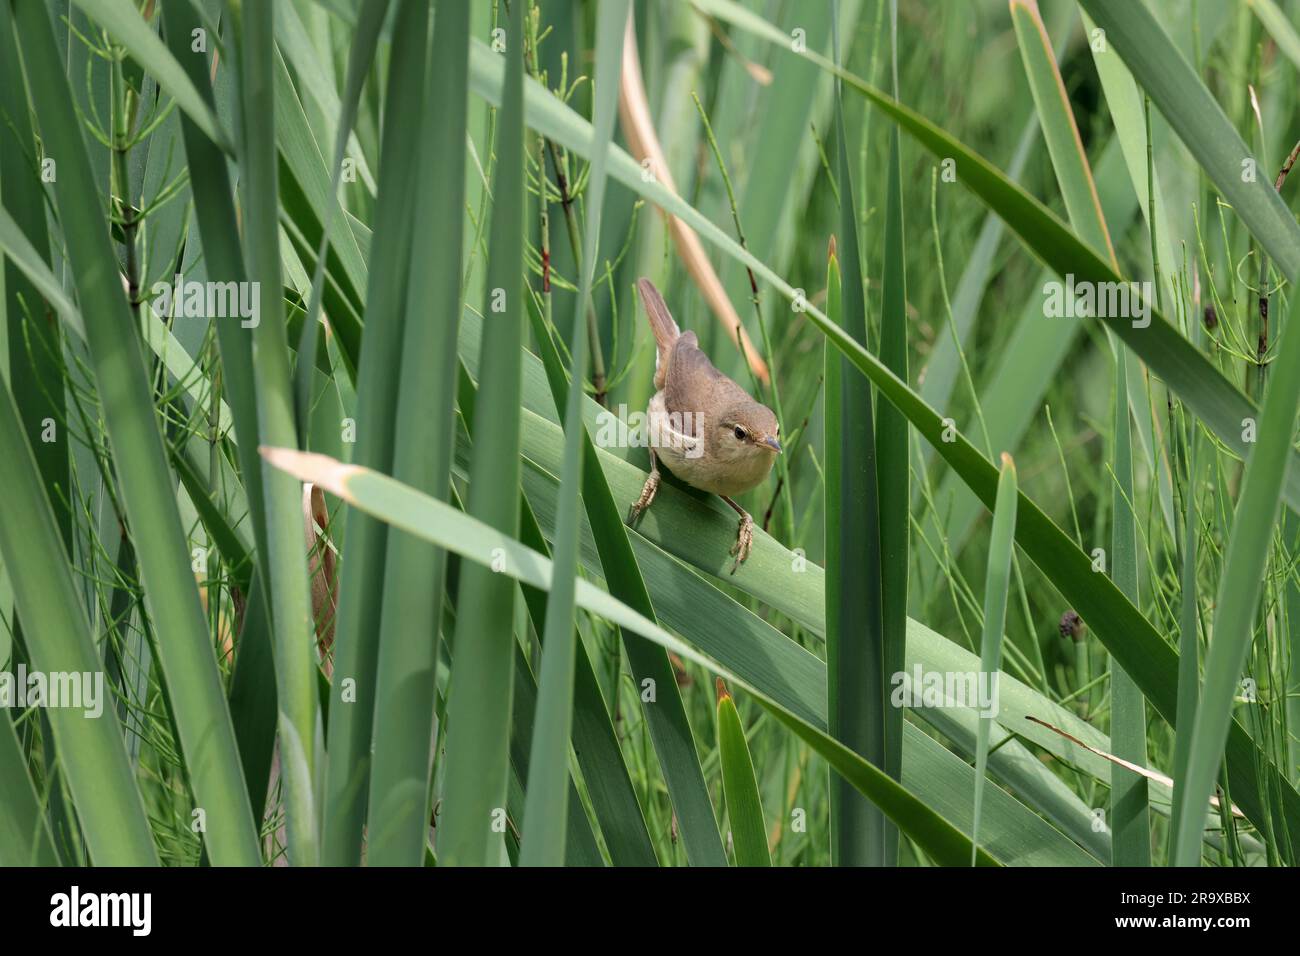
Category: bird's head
[748,430]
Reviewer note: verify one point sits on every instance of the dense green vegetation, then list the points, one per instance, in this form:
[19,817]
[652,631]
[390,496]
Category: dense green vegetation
[320,324]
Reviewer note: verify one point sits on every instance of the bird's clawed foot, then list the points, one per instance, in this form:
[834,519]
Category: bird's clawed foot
[647,496]
[744,540]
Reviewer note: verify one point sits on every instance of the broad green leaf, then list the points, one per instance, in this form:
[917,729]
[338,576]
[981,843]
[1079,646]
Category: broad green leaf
[1060,132]
[855,638]
[1189,676]
[740,789]
[543,841]
[441,524]
[361,579]
[222,256]
[670,730]
[478,741]
[24,833]
[299,725]
[893,450]
[423,450]
[1129,817]
[996,581]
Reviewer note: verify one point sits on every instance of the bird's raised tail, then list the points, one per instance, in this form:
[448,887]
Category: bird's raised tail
[662,324]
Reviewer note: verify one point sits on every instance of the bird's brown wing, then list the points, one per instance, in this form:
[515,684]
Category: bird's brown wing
[692,384]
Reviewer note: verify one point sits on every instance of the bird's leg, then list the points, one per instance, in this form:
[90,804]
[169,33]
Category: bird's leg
[744,535]
[647,491]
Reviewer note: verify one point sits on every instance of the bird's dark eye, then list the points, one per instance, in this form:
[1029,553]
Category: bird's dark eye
[740,433]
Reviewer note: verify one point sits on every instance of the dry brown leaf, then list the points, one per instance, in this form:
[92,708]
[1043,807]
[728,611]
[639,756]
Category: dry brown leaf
[638,128]
[1126,764]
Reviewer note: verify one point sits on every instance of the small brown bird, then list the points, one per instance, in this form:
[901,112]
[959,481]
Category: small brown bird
[703,426]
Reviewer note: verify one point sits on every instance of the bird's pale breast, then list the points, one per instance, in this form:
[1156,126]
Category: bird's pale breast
[685,453]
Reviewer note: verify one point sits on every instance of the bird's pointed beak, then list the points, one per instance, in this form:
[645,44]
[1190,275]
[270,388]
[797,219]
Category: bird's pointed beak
[773,444]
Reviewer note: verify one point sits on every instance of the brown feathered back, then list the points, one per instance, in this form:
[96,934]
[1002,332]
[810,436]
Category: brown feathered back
[693,384]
